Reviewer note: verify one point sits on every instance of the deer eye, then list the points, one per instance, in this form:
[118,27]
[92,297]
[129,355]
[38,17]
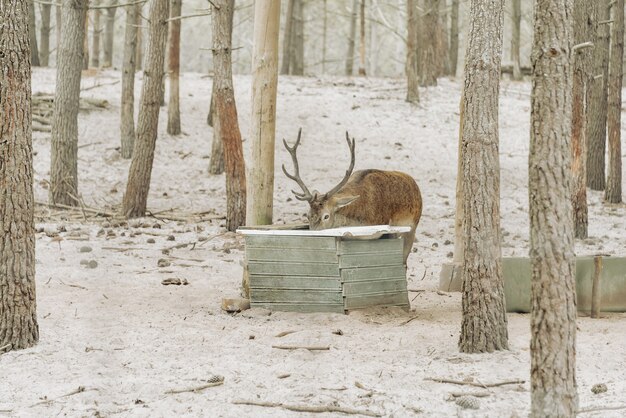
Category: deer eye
[326,217]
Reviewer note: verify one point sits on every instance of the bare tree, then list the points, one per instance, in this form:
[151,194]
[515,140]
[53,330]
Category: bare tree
[582,66]
[613,192]
[553,290]
[136,196]
[227,126]
[173,109]
[516,20]
[127,108]
[288,38]
[298,39]
[86,40]
[109,34]
[44,34]
[139,50]
[362,71]
[484,326]
[32,33]
[324,35]
[412,77]
[442,39]
[57,24]
[260,203]
[64,154]
[352,38]
[18,317]
[95,37]
[454,36]
[596,126]
[429,56]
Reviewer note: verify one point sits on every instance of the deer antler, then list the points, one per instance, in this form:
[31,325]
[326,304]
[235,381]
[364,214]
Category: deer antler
[306,195]
[349,171]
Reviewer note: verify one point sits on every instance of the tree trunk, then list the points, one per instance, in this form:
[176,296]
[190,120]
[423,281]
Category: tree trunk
[64,154]
[362,71]
[139,50]
[288,38]
[95,39]
[44,34]
[412,95]
[516,20]
[582,66]
[32,33]
[442,40]
[454,36]
[173,109]
[57,24]
[429,57]
[216,163]
[18,317]
[227,126]
[297,54]
[596,126]
[324,36]
[352,38]
[86,40]
[136,196]
[613,192]
[553,291]
[263,121]
[109,33]
[127,108]
[484,325]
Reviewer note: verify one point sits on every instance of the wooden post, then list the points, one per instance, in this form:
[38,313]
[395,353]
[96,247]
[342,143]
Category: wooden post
[595,287]
[263,121]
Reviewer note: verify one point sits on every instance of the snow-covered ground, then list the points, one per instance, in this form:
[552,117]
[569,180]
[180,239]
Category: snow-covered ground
[116,331]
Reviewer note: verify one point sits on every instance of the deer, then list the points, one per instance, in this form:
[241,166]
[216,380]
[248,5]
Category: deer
[365,197]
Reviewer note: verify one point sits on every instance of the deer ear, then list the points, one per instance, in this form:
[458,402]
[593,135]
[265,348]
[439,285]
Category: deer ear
[345,201]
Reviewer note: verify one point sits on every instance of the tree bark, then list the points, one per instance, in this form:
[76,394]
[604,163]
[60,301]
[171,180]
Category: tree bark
[412,95]
[139,57]
[582,66]
[613,192]
[596,126]
[18,317]
[429,57]
[263,122]
[484,325]
[109,33]
[516,20]
[216,163]
[454,36]
[64,153]
[57,24]
[86,40]
[136,196]
[44,35]
[297,54]
[227,126]
[95,37]
[362,71]
[127,108]
[553,291]
[442,39]
[173,109]
[32,33]
[352,38]
[287,38]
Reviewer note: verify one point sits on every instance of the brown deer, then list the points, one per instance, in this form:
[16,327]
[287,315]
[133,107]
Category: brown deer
[365,197]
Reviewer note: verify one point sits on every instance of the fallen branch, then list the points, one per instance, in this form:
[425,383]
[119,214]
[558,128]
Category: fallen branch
[6,346]
[601,408]
[76,391]
[475,394]
[297,347]
[75,208]
[73,285]
[95,86]
[479,385]
[282,334]
[308,408]
[195,389]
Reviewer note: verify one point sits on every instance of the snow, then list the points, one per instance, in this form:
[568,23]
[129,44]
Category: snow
[127,339]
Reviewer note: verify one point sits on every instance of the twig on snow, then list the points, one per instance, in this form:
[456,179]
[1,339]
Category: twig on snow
[480,385]
[601,408]
[195,389]
[310,408]
[297,347]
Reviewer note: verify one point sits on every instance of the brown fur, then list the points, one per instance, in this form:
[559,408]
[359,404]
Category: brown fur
[376,197]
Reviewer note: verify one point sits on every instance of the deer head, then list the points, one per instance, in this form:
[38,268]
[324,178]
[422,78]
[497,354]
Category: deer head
[324,208]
